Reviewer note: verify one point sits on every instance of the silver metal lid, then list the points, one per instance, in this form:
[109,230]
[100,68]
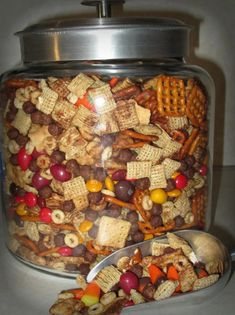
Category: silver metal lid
[104,39]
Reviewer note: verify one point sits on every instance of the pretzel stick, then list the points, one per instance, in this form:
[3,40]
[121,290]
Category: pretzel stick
[67,227]
[137,198]
[16,83]
[137,135]
[186,147]
[25,241]
[194,145]
[130,145]
[92,249]
[48,252]
[30,218]
[120,203]
[158,231]
[179,136]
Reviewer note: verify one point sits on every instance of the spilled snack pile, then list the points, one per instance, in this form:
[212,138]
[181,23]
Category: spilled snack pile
[170,270]
[96,163]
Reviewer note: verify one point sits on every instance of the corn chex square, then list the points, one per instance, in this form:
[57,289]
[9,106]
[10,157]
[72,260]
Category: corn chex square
[81,202]
[157,177]
[60,86]
[171,166]
[137,170]
[205,282]
[85,118]
[143,114]
[22,122]
[102,98]
[122,85]
[163,138]
[149,153]
[158,249]
[74,188]
[183,204]
[80,84]
[47,100]
[177,122]
[106,124]
[72,143]
[171,148]
[169,212]
[63,113]
[112,232]
[126,115]
[107,278]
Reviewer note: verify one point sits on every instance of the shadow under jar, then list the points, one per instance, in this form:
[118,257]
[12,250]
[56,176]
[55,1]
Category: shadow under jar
[108,140]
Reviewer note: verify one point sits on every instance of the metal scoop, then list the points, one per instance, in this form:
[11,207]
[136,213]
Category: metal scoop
[206,248]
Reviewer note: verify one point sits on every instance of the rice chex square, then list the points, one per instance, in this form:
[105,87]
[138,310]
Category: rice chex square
[126,115]
[102,98]
[149,153]
[157,177]
[171,166]
[80,84]
[171,148]
[85,118]
[47,100]
[63,113]
[74,188]
[137,170]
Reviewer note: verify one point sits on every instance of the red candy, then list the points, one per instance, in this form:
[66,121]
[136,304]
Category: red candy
[128,303]
[181,181]
[41,202]
[60,173]
[45,215]
[30,199]
[19,199]
[129,281]
[39,182]
[203,170]
[24,159]
[65,251]
[119,175]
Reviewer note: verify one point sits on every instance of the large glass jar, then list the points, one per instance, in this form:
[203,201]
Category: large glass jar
[108,138]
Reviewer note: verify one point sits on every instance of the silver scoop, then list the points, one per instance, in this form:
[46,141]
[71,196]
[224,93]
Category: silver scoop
[206,248]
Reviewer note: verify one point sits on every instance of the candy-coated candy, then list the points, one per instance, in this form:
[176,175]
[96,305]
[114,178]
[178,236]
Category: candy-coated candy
[41,202]
[39,181]
[85,226]
[19,199]
[124,190]
[174,193]
[94,185]
[30,199]
[45,215]
[21,209]
[148,237]
[128,303]
[175,175]
[203,170]
[158,196]
[119,175]
[129,281]
[60,173]
[24,159]
[109,184]
[89,300]
[181,181]
[65,251]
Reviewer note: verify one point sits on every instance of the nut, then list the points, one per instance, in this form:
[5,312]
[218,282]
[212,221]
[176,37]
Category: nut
[58,216]
[189,218]
[106,154]
[108,298]
[71,240]
[108,192]
[13,147]
[147,203]
[123,263]
[81,281]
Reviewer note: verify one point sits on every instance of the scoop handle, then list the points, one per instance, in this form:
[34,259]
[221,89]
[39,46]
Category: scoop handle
[232,254]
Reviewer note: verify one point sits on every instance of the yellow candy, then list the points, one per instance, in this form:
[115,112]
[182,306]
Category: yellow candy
[94,185]
[89,300]
[21,209]
[148,237]
[174,193]
[158,196]
[175,175]
[85,226]
[109,183]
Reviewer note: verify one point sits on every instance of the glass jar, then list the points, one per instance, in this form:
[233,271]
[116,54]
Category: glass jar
[108,140]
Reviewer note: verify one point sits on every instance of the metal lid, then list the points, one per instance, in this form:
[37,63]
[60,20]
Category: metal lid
[104,39]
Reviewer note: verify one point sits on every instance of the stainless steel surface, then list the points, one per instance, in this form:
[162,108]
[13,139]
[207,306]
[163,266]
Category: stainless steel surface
[103,6]
[104,39]
[205,246]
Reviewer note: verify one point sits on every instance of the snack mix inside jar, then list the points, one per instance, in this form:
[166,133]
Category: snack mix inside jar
[106,140]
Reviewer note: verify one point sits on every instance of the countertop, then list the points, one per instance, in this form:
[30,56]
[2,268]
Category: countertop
[26,291]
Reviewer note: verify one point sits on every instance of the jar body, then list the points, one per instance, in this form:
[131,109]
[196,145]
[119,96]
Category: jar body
[99,156]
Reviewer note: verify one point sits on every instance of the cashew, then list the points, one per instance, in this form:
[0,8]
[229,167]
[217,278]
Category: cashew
[108,298]
[13,147]
[35,97]
[108,192]
[106,154]
[199,181]
[147,203]
[29,147]
[189,218]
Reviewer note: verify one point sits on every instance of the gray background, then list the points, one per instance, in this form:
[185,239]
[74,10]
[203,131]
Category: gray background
[213,45]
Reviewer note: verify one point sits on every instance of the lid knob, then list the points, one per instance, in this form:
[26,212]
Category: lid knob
[103,6]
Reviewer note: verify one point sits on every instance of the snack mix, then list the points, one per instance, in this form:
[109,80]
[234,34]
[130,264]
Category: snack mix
[171,269]
[94,164]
